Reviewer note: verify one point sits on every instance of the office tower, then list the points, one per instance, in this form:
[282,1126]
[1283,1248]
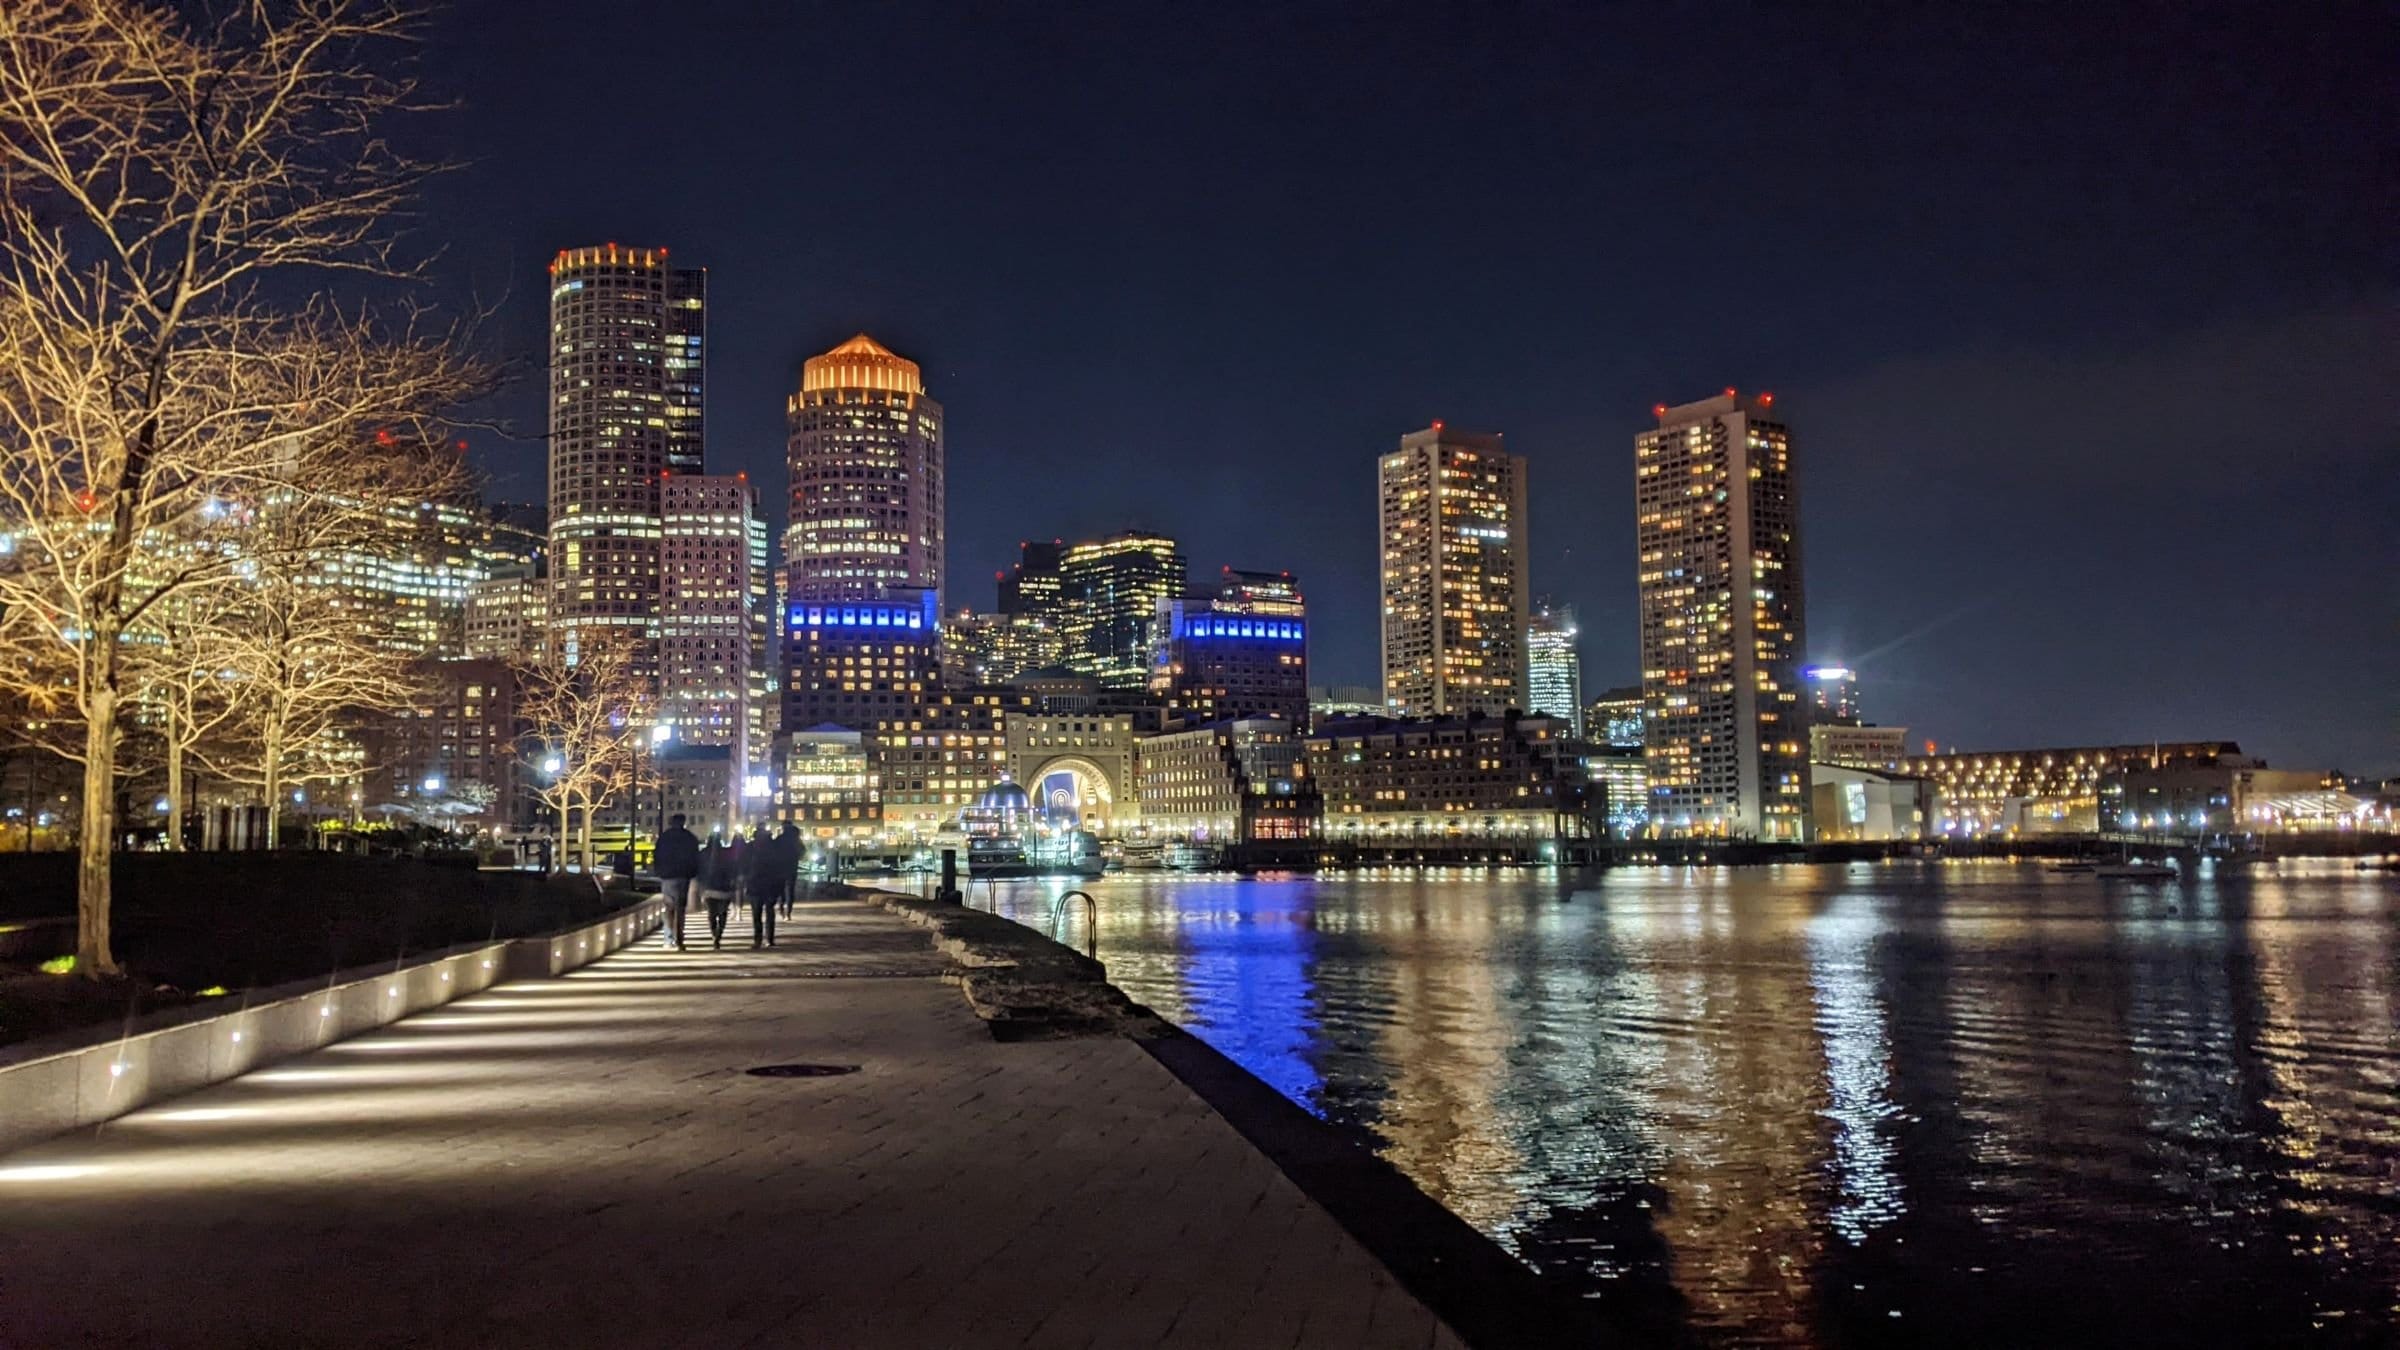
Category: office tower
[1242,653]
[419,568]
[1031,587]
[1452,508]
[507,616]
[1616,718]
[866,464]
[855,664]
[1109,593]
[686,368]
[1832,695]
[1717,526]
[1553,666]
[711,602]
[610,431]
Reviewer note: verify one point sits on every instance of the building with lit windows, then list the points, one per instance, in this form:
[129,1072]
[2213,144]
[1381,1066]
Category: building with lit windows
[610,330]
[867,478]
[1857,747]
[1856,804]
[1448,778]
[1031,587]
[1451,511]
[455,757]
[2054,791]
[507,616]
[1109,593]
[828,788]
[931,762]
[1240,654]
[712,612]
[420,568]
[1832,695]
[996,648]
[1329,701]
[1620,784]
[1553,666]
[1078,767]
[1236,782]
[858,664]
[686,358]
[1616,717]
[1717,531]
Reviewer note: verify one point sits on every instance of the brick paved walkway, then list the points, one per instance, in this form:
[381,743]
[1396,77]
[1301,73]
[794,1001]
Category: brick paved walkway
[581,1162]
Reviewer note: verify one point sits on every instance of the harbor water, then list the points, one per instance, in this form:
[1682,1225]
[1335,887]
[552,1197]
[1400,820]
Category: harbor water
[1911,1103]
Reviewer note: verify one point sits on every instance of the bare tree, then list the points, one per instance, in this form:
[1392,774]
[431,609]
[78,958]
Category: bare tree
[587,717]
[162,181]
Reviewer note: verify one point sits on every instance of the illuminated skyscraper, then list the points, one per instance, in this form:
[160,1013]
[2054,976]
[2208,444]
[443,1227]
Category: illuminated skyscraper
[612,429]
[1553,666]
[687,331]
[1109,594]
[1453,530]
[1717,527]
[712,612]
[867,475]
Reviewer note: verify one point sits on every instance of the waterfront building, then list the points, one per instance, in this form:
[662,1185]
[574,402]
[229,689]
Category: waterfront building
[857,664]
[507,616]
[1553,666]
[1031,587]
[2053,791]
[1234,782]
[1620,784]
[713,612]
[609,433]
[930,761]
[1109,594]
[1327,702]
[1859,747]
[828,787]
[1832,695]
[2233,795]
[1616,717]
[1448,778]
[1451,510]
[1855,804]
[1717,526]
[1240,654]
[1079,767]
[866,459]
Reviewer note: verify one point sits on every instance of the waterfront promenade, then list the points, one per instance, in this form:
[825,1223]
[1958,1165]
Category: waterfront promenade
[584,1161]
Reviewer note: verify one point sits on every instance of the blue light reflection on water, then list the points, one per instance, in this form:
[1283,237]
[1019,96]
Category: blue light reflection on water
[1974,1103]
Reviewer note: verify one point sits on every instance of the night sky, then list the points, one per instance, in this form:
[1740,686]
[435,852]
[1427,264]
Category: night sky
[2083,316]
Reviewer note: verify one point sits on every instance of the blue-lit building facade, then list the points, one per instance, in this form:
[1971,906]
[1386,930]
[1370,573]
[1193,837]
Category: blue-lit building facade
[1233,656]
[853,663]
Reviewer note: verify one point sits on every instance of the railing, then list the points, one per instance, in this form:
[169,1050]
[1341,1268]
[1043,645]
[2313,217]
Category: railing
[1091,919]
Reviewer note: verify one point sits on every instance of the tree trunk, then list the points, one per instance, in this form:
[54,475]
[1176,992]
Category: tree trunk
[271,774]
[559,861]
[174,786]
[94,957]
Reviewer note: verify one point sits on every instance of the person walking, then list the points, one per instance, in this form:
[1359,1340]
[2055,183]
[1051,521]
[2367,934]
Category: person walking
[762,866]
[720,877]
[787,848]
[675,856]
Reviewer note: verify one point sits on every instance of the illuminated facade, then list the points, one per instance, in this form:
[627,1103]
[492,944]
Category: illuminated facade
[1452,524]
[1618,775]
[996,648]
[420,568]
[1236,782]
[1856,746]
[1616,718]
[1717,528]
[453,757]
[1078,766]
[2055,791]
[828,787]
[1032,586]
[507,617]
[712,612]
[858,664]
[1109,595]
[1242,654]
[685,353]
[867,478]
[1832,695]
[1447,778]
[1860,804]
[1553,666]
[931,762]
[610,430]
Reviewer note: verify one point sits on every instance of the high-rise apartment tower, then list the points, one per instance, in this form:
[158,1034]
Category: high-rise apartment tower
[1717,526]
[1553,666]
[1452,508]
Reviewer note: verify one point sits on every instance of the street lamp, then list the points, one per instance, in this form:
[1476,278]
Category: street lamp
[433,782]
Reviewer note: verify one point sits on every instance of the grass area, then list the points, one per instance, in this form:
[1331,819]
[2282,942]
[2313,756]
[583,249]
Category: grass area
[193,926]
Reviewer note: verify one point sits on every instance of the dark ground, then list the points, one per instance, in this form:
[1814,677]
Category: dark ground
[236,921]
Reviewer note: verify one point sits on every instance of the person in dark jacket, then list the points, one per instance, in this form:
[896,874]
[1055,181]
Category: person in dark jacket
[762,871]
[787,848]
[675,856]
[720,878]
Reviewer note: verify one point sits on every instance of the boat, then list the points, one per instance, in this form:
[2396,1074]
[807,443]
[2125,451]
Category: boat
[2070,867]
[1189,857]
[2137,871]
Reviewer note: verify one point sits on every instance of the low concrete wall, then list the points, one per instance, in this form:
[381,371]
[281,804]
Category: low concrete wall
[47,1088]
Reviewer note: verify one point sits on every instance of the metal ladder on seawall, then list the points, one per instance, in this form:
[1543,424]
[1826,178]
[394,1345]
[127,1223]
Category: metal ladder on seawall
[1091,919]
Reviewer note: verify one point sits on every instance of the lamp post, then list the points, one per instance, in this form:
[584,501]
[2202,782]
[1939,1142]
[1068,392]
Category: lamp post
[660,734]
[552,767]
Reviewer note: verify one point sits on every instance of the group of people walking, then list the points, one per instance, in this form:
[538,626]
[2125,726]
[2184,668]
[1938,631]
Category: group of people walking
[763,870]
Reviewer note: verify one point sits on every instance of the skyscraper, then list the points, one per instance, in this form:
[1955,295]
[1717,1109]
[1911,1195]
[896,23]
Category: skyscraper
[712,611]
[867,475]
[1031,587]
[686,368]
[1109,594]
[1452,507]
[1717,526]
[1553,666]
[610,432]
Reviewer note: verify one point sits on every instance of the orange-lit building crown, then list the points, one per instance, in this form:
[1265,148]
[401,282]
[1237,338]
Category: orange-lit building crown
[861,363]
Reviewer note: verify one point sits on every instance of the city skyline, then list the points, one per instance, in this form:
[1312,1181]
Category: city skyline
[1942,401]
